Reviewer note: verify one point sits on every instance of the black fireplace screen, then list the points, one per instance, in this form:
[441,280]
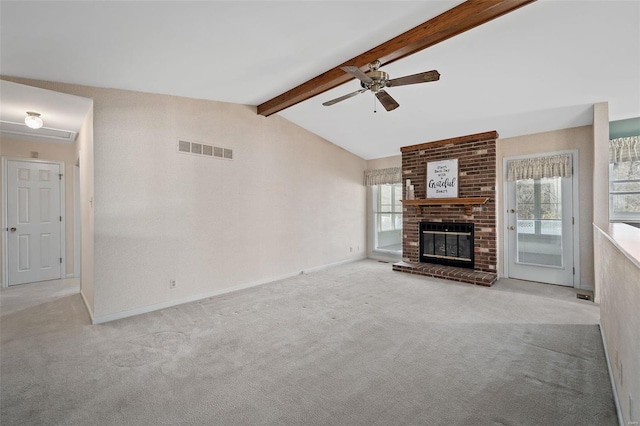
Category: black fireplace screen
[447,243]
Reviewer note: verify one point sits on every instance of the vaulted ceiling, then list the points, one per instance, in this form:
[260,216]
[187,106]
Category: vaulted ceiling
[538,68]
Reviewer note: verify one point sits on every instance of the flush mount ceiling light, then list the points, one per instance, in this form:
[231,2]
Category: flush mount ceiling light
[33,120]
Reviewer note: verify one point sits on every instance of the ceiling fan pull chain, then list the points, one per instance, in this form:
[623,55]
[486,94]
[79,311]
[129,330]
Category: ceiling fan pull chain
[374,105]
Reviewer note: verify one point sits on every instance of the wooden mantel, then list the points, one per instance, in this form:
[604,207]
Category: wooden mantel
[468,203]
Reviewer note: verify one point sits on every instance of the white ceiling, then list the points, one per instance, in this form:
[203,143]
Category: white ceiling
[59,111]
[536,69]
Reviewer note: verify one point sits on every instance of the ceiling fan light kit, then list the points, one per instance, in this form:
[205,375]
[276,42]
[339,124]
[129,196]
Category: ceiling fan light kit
[376,80]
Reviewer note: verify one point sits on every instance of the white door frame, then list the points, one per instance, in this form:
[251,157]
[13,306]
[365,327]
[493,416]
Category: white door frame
[63,233]
[76,221]
[575,213]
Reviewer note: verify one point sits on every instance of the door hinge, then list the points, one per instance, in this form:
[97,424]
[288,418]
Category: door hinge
[574,270]
[60,260]
[573,220]
[60,176]
[60,218]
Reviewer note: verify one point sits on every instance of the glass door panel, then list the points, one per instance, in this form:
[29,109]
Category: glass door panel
[539,240]
[539,221]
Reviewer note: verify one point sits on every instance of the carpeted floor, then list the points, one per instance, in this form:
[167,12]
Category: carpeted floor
[356,344]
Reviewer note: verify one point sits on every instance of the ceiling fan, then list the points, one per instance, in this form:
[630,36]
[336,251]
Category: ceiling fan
[377,80]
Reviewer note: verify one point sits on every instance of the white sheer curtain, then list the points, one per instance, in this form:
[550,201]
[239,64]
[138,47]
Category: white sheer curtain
[624,149]
[539,167]
[383,176]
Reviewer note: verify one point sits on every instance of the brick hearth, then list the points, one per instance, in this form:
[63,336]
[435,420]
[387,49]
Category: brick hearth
[476,156]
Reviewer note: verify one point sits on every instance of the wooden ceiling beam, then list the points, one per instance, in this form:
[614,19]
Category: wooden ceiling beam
[468,15]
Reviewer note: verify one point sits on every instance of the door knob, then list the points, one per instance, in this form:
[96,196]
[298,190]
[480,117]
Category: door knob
[512,228]
[512,211]
[12,229]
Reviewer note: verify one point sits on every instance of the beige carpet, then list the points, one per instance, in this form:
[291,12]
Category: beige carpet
[357,344]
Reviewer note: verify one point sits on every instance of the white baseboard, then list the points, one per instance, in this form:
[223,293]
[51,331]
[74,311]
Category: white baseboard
[613,383]
[189,299]
[86,305]
[322,267]
[70,276]
[384,257]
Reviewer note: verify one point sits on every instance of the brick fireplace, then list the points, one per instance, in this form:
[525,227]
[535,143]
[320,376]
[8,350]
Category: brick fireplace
[476,155]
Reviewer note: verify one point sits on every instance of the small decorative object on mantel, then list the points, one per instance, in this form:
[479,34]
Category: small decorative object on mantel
[410,191]
[442,179]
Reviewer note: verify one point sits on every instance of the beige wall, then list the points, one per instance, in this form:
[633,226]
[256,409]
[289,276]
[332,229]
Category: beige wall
[84,153]
[600,169]
[288,202]
[618,281]
[378,163]
[65,152]
[385,162]
[580,138]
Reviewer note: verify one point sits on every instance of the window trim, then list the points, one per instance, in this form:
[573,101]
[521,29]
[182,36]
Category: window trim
[621,216]
[395,210]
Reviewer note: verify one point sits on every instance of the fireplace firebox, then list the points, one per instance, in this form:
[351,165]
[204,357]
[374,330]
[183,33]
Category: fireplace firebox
[448,244]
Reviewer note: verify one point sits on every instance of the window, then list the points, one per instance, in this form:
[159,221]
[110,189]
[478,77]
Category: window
[624,191]
[387,219]
[389,208]
[539,206]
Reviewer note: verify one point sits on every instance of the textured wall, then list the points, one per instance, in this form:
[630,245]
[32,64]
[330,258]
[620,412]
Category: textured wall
[288,202]
[601,165]
[618,281]
[84,146]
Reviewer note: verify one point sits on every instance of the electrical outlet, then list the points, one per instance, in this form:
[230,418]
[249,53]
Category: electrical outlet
[172,283]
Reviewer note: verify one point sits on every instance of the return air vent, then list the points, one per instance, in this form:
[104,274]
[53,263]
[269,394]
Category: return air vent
[196,148]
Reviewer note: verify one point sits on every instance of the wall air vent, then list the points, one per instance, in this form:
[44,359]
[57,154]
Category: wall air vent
[204,150]
[47,133]
[184,146]
[196,148]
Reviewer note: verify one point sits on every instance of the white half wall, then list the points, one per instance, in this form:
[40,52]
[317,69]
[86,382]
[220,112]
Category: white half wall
[618,283]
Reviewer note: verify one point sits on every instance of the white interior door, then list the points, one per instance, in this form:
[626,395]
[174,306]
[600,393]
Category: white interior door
[34,221]
[540,230]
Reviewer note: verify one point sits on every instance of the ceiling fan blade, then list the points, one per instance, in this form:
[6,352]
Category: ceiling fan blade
[342,98]
[422,77]
[387,101]
[357,73]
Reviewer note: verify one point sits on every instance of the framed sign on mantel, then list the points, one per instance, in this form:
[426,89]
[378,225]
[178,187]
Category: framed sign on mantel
[442,179]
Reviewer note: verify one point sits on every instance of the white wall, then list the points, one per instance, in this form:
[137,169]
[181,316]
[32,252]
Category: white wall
[289,201]
[580,138]
[600,169]
[84,154]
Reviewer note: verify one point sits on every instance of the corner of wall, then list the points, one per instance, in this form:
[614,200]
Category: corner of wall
[601,164]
